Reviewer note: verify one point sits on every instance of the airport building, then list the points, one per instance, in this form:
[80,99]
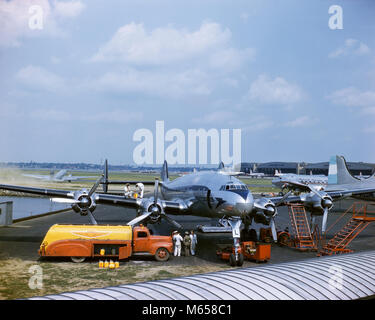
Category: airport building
[269,168]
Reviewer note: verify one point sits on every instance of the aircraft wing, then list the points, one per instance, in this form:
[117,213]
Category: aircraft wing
[78,177]
[35,176]
[39,191]
[150,183]
[336,195]
[170,207]
[296,184]
[350,192]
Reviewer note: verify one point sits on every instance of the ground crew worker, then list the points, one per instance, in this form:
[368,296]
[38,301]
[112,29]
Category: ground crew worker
[140,189]
[187,243]
[194,241]
[177,239]
[127,192]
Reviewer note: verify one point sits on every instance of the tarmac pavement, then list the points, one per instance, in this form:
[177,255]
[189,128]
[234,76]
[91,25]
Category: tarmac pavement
[22,240]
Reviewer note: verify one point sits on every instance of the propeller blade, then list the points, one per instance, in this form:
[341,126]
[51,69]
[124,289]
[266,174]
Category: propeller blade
[324,221]
[281,201]
[139,219]
[209,198]
[174,222]
[92,219]
[96,185]
[273,229]
[64,200]
[316,192]
[156,191]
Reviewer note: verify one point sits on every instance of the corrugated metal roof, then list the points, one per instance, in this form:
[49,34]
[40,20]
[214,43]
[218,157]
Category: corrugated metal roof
[341,277]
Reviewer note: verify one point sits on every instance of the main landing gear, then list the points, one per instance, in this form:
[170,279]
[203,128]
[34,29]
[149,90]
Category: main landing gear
[236,258]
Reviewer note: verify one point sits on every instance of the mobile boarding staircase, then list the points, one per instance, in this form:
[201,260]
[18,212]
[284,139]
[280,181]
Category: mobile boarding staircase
[302,238]
[356,224]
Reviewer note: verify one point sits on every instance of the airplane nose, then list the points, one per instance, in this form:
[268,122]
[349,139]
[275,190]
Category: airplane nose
[245,205]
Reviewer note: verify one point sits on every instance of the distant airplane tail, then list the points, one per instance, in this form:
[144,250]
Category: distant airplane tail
[164,172]
[338,172]
[221,166]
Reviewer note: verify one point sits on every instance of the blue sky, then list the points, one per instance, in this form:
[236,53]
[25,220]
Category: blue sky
[77,89]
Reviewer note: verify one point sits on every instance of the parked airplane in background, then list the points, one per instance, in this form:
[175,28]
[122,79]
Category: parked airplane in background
[294,182]
[235,170]
[60,176]
[206,193]
[340,179]
[255,174]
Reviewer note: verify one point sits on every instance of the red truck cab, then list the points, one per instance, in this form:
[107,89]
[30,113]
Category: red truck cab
[145,243]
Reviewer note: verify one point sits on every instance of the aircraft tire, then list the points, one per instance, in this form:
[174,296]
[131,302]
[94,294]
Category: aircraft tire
[240,260]
[232,260]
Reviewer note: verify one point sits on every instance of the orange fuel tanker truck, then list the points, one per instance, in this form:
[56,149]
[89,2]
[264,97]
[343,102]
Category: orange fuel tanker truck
[83,241]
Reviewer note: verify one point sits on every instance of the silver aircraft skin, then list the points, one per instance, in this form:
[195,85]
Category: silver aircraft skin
[211,194]
[60,176]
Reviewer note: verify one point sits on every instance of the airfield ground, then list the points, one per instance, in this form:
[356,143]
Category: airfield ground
[19,244]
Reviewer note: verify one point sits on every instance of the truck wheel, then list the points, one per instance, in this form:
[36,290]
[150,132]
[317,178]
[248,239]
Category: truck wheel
[78,259]
[240,260]
[232,260]
[162,254]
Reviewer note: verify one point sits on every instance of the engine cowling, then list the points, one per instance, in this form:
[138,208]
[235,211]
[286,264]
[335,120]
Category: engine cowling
[84,204]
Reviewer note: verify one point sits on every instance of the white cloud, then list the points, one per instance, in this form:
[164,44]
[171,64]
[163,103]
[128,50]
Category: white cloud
[302,121]
[353,97]
[231,59]
[169,61]
[50,115]
[215,117]
[69,9]
[38,78]
[274,91]
[258,123]
[350,47]
[168,84]
[116,116]
[244,16]
[133,44]
[119,116]
[368,129]
[15,16]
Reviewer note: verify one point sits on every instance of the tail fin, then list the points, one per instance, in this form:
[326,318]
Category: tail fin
[338,172]
[164,172]
[105,172]
[221,166]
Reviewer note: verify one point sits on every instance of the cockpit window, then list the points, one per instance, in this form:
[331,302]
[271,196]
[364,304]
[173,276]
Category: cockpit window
[232,186]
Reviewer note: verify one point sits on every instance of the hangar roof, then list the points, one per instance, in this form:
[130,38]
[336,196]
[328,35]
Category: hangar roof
[340,277]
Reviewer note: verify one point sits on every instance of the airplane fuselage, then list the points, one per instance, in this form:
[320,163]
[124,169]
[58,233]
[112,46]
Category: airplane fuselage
[210,194]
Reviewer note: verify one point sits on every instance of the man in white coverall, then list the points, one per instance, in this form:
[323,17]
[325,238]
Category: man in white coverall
[140,189]
[177,239]
[193,243]
[127,192]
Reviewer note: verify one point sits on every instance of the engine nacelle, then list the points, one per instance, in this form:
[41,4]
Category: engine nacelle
[84,204]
